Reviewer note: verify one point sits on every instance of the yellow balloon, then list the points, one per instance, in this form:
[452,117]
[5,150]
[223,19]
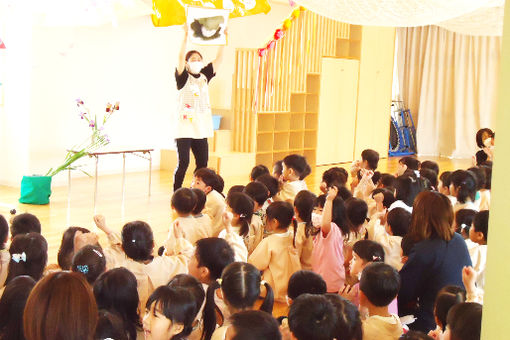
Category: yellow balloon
[287,23]
[295,13]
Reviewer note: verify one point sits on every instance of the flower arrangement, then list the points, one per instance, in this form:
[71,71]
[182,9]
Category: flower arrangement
[97,139]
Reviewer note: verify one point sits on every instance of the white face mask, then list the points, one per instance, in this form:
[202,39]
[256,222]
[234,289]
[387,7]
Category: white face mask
[488,142]
[316,219]
[195,66]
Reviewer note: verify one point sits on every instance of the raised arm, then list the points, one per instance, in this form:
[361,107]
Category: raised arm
[182,53]
[327,212]
[219,56]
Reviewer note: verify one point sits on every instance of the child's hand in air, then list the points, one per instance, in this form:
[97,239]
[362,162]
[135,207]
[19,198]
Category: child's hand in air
[332,193]
[469,279]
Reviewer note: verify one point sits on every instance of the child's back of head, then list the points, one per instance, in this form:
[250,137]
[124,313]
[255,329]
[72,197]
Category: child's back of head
[254,325]
[212,254]
[109,326]
[298,164]
[304,203]
[335,176]
[235,189]
[200,204]
[446,298]
[29,255]
[12,304]
[258,170]
[184,201]
[137,240]
[4,232]
[66,250]
[399,220]
[463,220]
[271,183]
[371,157]
[387,180]
[258,192]
[89,261]
[379,284]
[464,321]
[415,335]
[348,318]
[465,184]
[407,187]
[479,174]
[431,177]
[481,224]
[312,317]
[388,196]
[430,165]
[24,224]
[241,205]
[356,210]
[191,284]
[305,282]
[410,162]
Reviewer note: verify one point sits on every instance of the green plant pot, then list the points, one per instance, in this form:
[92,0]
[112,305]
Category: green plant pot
[35,190]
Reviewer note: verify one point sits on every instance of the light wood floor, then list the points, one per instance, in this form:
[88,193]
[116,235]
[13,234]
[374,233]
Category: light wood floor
[78,210]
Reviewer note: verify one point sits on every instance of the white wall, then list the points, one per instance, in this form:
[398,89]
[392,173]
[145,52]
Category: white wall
[134,63]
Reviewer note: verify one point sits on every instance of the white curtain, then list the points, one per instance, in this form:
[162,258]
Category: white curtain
[449,81]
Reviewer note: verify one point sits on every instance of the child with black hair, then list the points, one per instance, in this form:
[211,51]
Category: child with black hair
[478,234]
[12,305]
[109,326]
[276,256]
[235,188]
[382,199]
[463,221]
[369,161]
[464,322]
[273,187]
[482,193]
[203,220]
[5,257]
[415,335]
[67,247]
[317,210]
[238,230]
[333,176]
[277,170]
[184,201]
[89,261]
[25,223]
[133,249]
[365,252]
[252,325]
[443,186]
[407,163]
[356,211]
[259,194]
[116,291]
[389,234]
[446,298]
[463,186]
[431,176]
[379,286]
[295,170]
[29,256]
[211,256]
[303,207]
[348,320]
[386,181]
[305,282]
[430,165]
[312,317]
[169,314]
[196,288]
[206,179]
[239,288]
[328,250]
[407,187]
[406,247]
[258,170]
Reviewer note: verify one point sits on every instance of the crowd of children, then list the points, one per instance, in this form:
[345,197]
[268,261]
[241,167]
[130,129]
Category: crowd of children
[390,256]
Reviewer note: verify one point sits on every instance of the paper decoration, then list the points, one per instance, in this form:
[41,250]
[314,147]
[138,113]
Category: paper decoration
[206,26]
[482,17]
[173,12]
[2,45]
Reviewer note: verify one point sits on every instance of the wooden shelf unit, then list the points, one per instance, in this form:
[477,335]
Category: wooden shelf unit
[283,133]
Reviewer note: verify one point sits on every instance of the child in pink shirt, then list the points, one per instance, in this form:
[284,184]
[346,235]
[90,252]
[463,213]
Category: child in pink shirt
[327,254]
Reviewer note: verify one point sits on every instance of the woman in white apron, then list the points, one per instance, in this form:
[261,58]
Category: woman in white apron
[193,123]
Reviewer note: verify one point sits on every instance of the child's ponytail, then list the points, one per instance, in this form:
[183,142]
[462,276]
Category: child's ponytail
[267,304]
[304,202]
[294,225]
[465,182]
[209,313]
[242,205]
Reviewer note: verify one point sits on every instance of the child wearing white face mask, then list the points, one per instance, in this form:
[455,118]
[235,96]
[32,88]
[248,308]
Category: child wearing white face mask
[193,121]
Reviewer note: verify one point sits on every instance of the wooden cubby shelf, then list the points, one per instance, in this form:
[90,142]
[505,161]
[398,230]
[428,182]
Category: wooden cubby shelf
[282,122]
[266,122]
[298,102]
[312,103]
[297,121]
[265,142]
[281,141]
[313,83]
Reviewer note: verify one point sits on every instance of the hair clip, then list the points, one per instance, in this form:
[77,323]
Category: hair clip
[19,257]
[376,258]
[98,252]
[133,240]
[463,226]
[242,216]
[263,282]
[219,281]
[83,268]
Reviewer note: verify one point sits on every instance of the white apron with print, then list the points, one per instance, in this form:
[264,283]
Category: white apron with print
[194,117]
